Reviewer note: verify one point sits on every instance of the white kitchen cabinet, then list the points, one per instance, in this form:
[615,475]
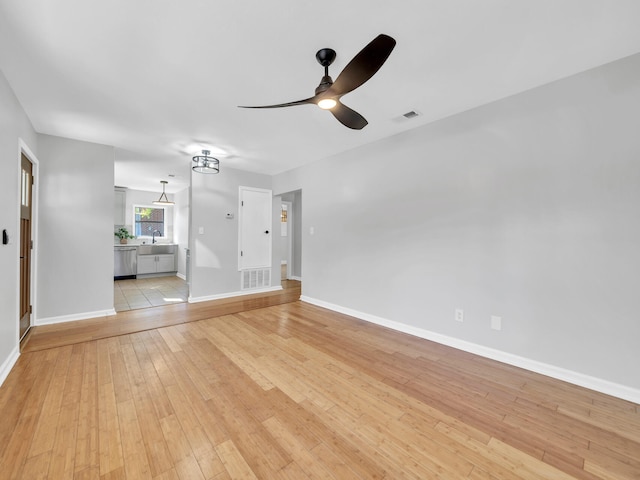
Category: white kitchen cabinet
[119,206]
[166,263]
[156,263]
[146,264]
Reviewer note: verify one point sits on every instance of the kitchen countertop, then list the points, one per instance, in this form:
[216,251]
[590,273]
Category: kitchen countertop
[127,245]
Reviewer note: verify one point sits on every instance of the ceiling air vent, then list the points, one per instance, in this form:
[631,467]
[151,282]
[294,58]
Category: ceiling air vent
[411,114]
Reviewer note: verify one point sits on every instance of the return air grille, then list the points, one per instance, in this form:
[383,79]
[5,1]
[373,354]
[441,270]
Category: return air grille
[257,278]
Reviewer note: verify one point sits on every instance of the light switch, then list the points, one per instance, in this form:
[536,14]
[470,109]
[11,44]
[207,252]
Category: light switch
[312,230]
[201,230]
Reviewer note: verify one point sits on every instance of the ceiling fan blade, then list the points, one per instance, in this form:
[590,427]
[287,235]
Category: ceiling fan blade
[347,117]
[363,66]
[288,104]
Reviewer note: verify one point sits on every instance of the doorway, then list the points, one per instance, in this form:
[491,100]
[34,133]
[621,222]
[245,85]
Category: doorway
[286,251]
[292,246]
[26,244]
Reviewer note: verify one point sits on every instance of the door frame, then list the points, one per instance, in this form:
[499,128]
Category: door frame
[23,149]
[289,236]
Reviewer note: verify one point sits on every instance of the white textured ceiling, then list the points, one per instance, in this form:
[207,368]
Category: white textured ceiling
[161,79]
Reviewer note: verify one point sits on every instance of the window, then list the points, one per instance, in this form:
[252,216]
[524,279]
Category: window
[148,220]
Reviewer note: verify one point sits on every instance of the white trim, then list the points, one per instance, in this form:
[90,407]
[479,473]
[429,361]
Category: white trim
[233,294]
[182,276]
[295,278]
[8,364]
[74,317]
[604,386]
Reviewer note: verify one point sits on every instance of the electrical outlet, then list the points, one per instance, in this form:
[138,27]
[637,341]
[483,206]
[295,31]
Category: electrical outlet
[496,322]
[459,316]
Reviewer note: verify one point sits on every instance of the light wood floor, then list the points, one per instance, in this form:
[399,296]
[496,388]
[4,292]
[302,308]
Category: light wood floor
[293,391]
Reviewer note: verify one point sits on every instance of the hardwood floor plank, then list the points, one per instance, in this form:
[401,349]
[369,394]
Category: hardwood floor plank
[45,432]
[63,456]
[157,395]
[210,464]
[87,447]
[148,421]
[302,419]
[136,464]
[234,463]
[301,456]
[19,420]
[293,391]
[525,466]
[109,438]
[325,455]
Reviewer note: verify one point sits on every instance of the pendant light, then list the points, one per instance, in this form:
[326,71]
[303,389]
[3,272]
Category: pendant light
[166,201]
[206,164]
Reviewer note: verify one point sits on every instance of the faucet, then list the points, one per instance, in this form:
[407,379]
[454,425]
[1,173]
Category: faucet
[153,236]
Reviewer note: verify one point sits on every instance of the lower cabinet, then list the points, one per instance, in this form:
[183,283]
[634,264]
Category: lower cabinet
[156,263]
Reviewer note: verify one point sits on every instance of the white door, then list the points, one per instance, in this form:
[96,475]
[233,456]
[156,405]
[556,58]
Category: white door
[255,228]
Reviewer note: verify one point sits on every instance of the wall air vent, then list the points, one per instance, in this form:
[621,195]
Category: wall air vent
[256,278]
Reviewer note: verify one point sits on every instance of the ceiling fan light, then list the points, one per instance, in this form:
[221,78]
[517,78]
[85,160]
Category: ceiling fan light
[327,103]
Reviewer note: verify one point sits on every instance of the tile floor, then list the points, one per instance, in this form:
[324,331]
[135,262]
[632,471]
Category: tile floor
[153,292]
[149,292]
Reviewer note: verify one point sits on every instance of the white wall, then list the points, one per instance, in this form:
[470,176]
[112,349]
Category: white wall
[214,254]
[14,125]
[527,208]
[75,230]
[181,227]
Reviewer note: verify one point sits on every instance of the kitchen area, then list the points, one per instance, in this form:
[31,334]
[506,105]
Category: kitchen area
[149,269]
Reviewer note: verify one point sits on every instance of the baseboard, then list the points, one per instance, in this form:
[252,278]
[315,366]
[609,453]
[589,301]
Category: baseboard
[8,364]
[74,317]
[299,279]
[580,379]
[182,276]
[233,294]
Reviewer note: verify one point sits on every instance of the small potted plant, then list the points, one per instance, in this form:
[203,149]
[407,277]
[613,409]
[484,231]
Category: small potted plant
[123,234]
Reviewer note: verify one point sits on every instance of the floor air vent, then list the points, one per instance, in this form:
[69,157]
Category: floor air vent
[258,278]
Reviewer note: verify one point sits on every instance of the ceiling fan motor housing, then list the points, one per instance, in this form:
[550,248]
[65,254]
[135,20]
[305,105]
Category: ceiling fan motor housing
[325,83]
[326,56]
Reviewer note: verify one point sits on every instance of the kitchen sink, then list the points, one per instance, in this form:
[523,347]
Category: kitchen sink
[156,249]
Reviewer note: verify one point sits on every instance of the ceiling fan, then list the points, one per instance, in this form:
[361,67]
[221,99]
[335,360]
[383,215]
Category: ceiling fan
[360,69]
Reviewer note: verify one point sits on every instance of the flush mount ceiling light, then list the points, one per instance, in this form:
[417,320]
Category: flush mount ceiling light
[166,201]
[206,164]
